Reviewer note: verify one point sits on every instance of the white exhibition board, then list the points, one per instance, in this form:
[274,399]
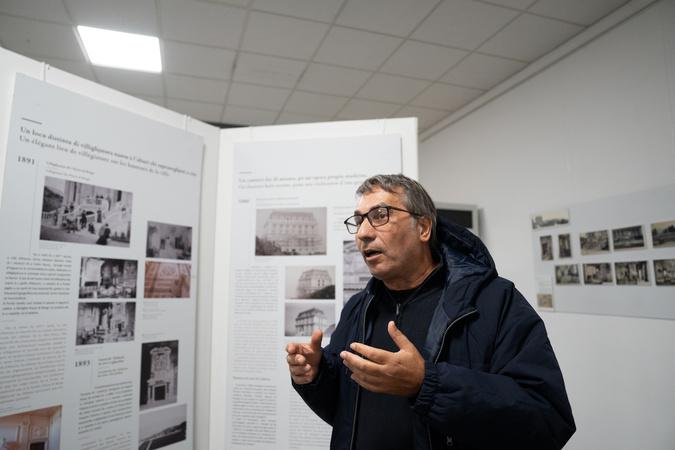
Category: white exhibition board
[98,267]
[283,177]
[615,256]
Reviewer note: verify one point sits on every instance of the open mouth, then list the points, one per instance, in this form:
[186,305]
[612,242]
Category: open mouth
[370,253]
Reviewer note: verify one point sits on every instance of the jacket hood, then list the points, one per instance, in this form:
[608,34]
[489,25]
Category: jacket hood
[463,252]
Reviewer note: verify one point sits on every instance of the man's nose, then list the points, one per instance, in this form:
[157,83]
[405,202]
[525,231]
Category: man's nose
[365,231]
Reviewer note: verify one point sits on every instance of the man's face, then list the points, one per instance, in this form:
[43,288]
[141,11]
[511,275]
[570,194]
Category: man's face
[395,251]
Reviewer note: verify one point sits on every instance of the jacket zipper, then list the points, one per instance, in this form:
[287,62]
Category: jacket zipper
[358,388]
[438,355]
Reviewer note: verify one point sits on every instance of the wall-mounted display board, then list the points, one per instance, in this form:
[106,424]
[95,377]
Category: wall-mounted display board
[614,256]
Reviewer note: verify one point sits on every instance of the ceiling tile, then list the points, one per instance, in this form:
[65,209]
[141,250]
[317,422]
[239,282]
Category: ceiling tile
[333,80]
[36,9]
[248,116]
[391,88]
[288,117]
[517,4]
[446,97]
[323,10]
[196,60]
[529,37]
[154,100]
[201,23]
[257,96]
[367,109]
[482,71]
[428,61]
[133,16]
[31,37]
[282,36]
[131,82]
[463,23]
[398,17]
[206,112]
[315,104]
[583,12]
[354,48]
[198,89]
[79,68]
[425,117]
[268,70]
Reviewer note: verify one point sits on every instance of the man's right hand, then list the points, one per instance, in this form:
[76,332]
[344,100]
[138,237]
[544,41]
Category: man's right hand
[303,359]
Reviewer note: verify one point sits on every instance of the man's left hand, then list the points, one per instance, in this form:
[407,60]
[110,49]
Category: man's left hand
[400,373]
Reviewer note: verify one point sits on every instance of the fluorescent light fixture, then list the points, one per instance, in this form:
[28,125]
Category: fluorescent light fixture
[121,50]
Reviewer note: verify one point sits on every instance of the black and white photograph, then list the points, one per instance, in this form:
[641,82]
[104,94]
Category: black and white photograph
[85,213]
[159,374]
[310,282]
[628,238]
[564,246]
[663,234]
[545,301]
[168,241]
[550,219]
[546,245]
[157,429]
[302,318]
[108,278]
[598,273]
[355,273]
[103,322]
[594,242]
[567,274]
[37,429]
[167,280]
[664,272]
[290,231]
[631,273]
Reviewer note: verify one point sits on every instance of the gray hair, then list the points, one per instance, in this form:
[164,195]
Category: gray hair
[413,195]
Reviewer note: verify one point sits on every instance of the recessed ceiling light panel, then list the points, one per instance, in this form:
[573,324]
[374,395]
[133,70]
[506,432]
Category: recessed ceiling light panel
[121,50]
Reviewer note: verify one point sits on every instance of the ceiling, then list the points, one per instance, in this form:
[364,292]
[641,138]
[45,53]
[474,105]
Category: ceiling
[263,62]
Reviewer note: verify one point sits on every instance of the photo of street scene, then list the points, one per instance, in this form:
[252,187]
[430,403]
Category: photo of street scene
[567,274]
[663,234]
[292,231]
[159,374]
[594,242]
[550,219]
[85,213]
[600,273]
[664,272]
[166,280]
[157,429]
[311,282]
[103,323]
[168,241]
[628,237]
[108,278]
[632,272]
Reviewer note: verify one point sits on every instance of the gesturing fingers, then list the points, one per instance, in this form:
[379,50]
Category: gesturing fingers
[371,353]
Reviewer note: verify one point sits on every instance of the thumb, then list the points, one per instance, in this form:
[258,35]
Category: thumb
[400,339]
[317,336]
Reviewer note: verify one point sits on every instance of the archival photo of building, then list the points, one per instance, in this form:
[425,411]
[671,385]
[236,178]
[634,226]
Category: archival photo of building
[168,241]
[664,272]
[546,245]
[290,231]
[39,429]
[311,282]
[301,319]
[159,428]
[663,234]
[103,323]
[594,242]
[628,237]
[85,213]
[166,280]
[108,278]
[567,274]
[550,219]
[632,272]
[355,273]
[564,246]
[159,374]
[599,273]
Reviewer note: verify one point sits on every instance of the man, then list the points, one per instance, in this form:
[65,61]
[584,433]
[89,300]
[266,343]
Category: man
[437,351]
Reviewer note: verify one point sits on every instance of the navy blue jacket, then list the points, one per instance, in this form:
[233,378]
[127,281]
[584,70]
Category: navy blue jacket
[491,378]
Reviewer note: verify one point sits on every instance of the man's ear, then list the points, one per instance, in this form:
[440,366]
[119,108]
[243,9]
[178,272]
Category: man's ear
[424,228]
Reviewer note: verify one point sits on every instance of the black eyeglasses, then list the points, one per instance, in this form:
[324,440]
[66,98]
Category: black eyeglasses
[377,216]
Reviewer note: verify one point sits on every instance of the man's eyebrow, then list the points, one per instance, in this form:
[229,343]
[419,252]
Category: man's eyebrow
[379,205]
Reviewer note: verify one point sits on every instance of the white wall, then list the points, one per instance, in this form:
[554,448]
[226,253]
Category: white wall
[598,123]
